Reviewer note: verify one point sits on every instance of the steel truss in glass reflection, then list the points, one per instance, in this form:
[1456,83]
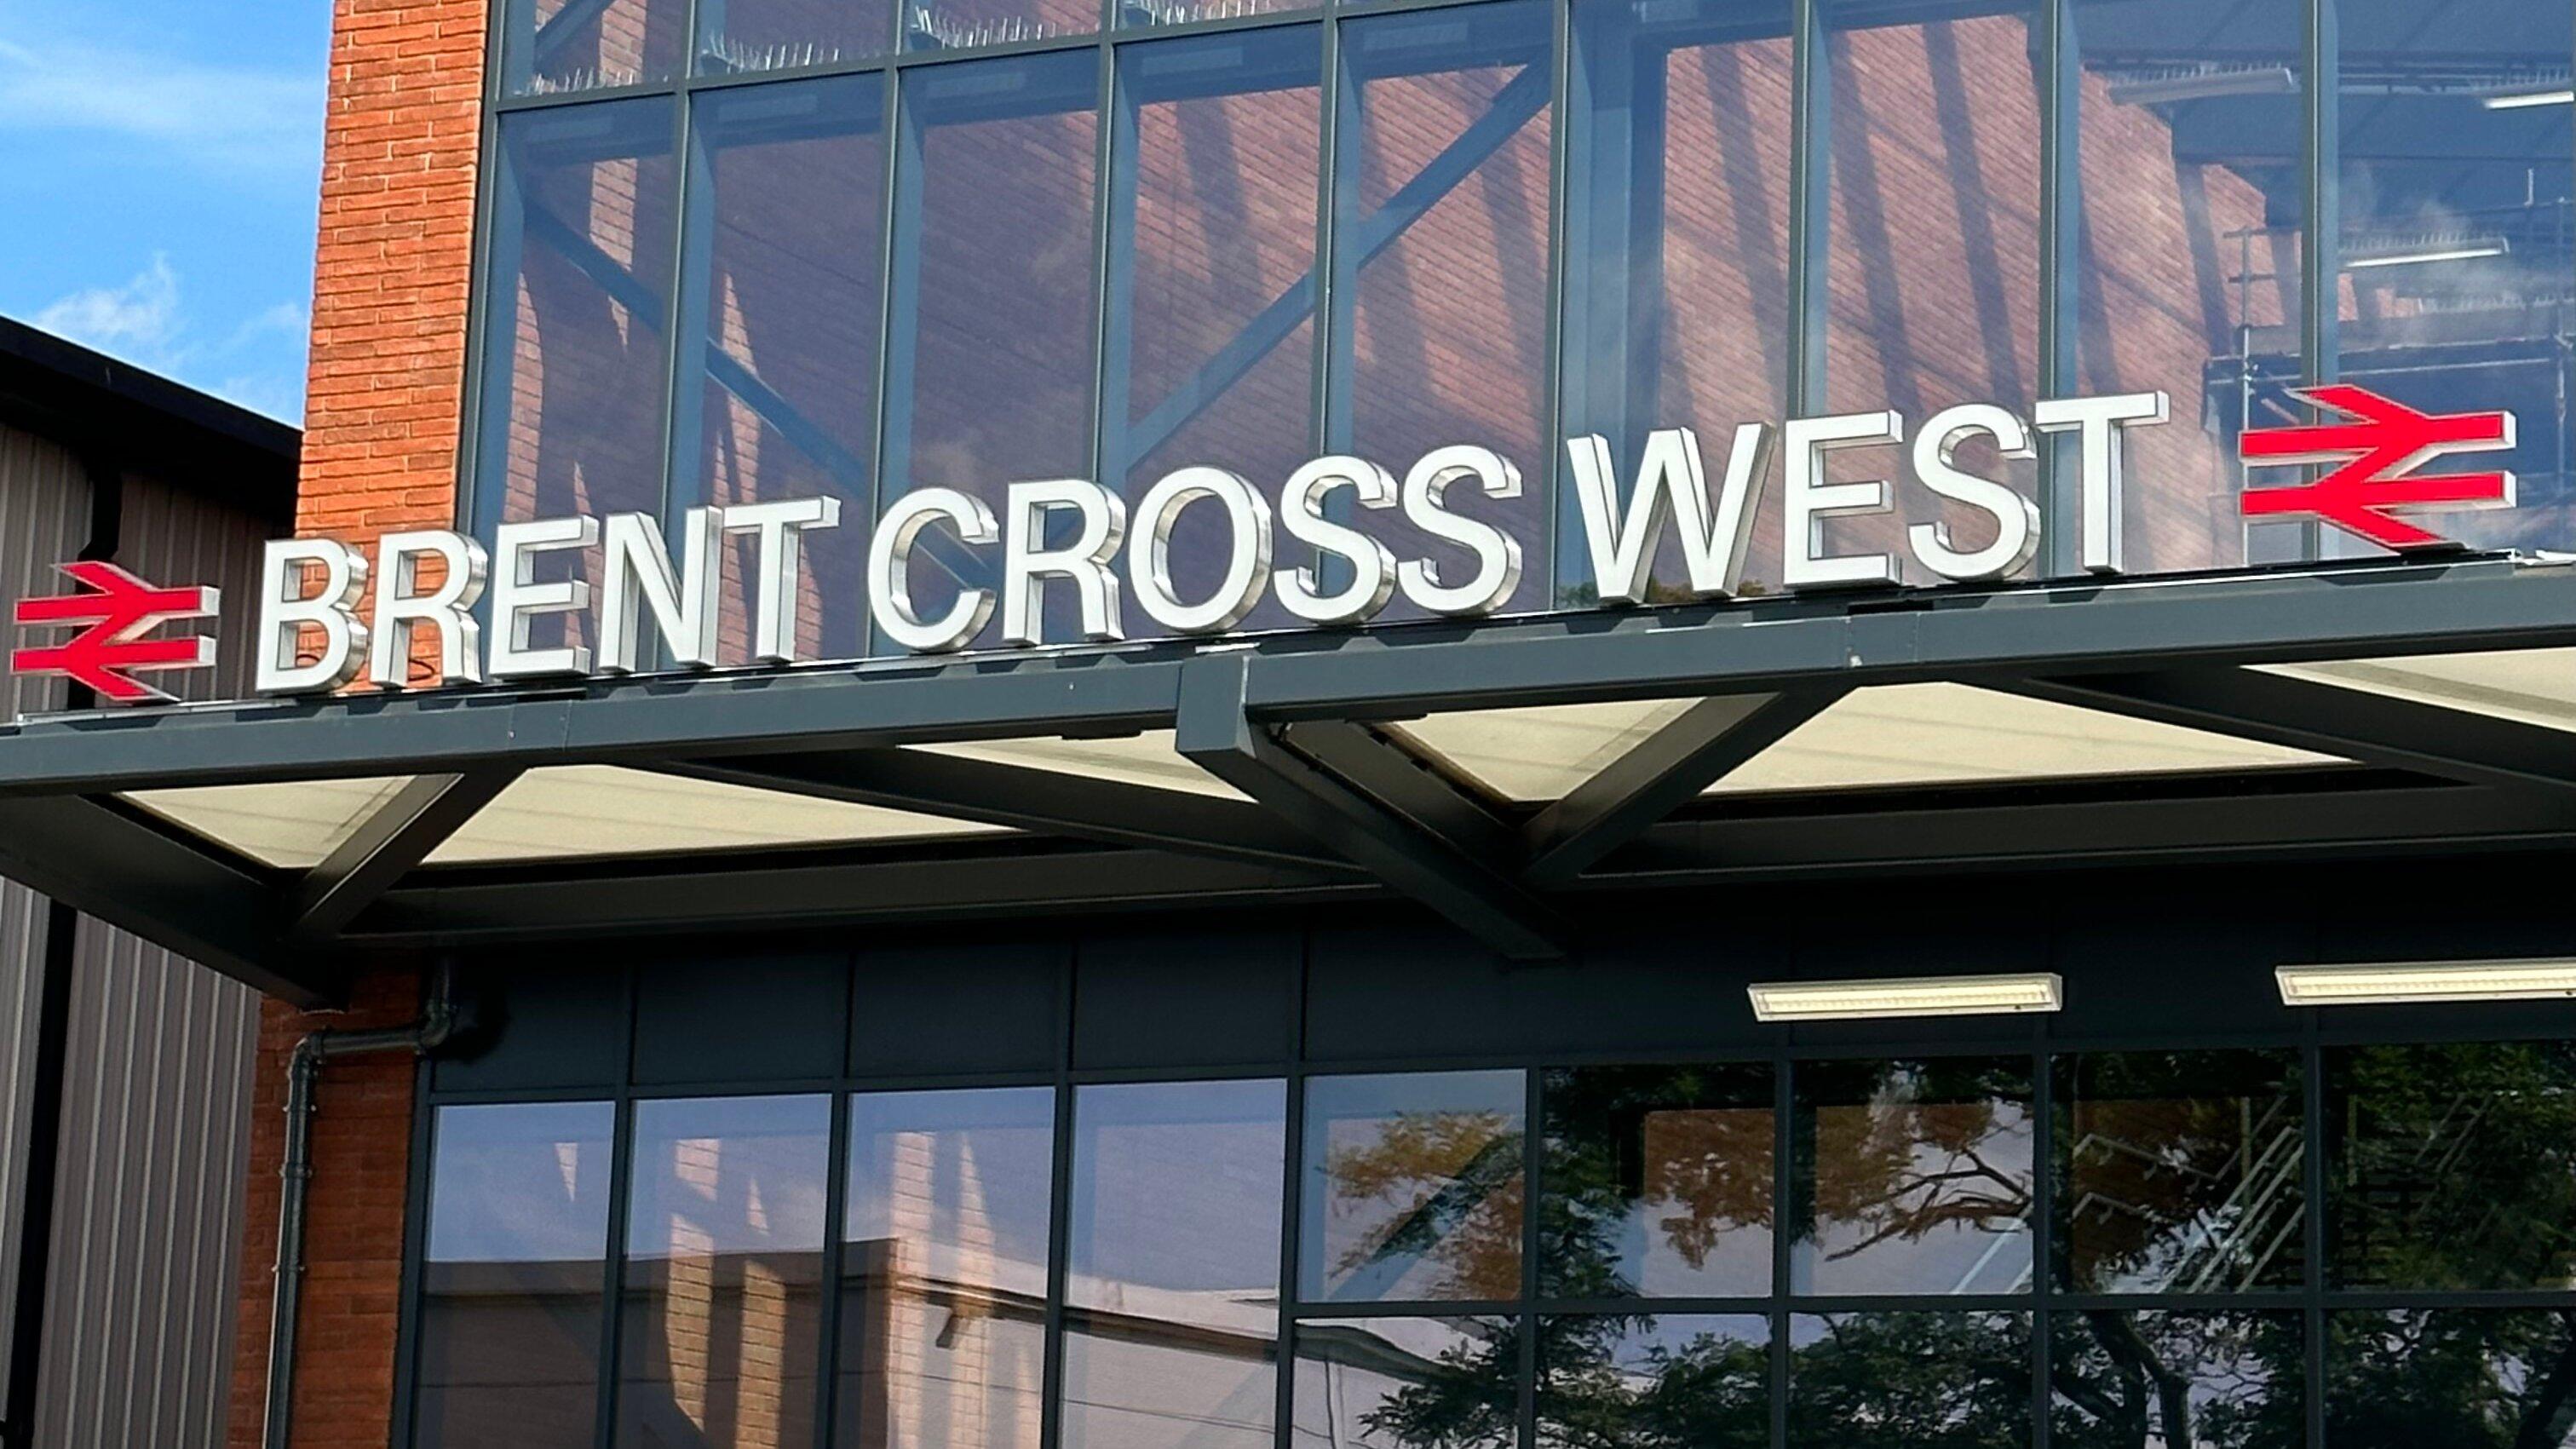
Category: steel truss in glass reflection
[2326,80]
[1505,1344]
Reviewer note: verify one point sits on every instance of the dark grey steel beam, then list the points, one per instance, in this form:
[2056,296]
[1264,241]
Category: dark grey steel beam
[964,887]
[2351,611]
[106,864]
[399,836]
[1026,798]
[1660,775]
[2305,714]
[1373,805]
[2319,815]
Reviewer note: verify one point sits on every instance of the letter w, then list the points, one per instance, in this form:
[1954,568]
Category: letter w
[1672,486]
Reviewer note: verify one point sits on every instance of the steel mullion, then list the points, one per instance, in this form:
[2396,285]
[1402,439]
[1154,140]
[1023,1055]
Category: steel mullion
[1051,1395]
[1548,472]
[1785,1221]
[1291,1209]
[1810,204]
[2043,1226]
[836,1207]
[613,1305]
[2321,256]
[2061,212]
[2312,1228]
[1533,1164]
[403,1432]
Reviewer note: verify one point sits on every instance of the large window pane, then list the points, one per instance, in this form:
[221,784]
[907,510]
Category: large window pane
[2122,1379]
[781,334]
[1657,1182]
[1440,252]
[2457,1379]
[575,360]
[943,1274]
[2188,269]
[1629,1381]
[993,348]
[1212,337]
[2453,1166]
[1172,1270]
[720,1338]
[514,1275]
[1913,1177]
[2456,231]
[737,37]
[1933,298]
[1407,1383]
[1909,1381]
[1413,1187]
[1677,243]
[2183,1171]
[549,46]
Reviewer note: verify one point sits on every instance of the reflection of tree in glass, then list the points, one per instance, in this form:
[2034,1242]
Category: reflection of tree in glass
[1912,1381]
[1451,1186]
[1470,1399]
[1709,1392]
[1625,1140]
[2149,1380]
[1903,1150]
[2456,1379]
[2184,1172]
[2459,1166]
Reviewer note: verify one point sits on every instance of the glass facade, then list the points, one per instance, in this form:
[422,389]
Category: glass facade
[1106,242]
[2012,1248]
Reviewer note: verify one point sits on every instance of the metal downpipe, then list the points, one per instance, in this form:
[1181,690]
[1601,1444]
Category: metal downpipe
[303,1073]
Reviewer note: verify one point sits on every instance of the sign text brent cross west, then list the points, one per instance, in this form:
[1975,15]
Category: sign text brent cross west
[1069,532]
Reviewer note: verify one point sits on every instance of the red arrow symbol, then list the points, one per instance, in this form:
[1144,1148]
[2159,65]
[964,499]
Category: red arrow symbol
[119,609]
[2389,442]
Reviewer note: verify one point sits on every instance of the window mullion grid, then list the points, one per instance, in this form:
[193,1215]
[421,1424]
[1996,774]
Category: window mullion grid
[836,1207]
[1116,183]
[612,1314]
[1327,194]
[2321,254]
[685,339]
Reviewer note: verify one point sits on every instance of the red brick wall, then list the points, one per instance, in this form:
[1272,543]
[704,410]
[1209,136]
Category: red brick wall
[381,427]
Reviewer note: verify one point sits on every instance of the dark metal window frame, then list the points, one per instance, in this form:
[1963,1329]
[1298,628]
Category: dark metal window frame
[2043,1050]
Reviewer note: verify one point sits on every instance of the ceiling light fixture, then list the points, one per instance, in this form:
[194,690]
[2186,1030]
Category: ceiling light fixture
[2437,254]
[2524,100]
[1906,996]
[2403,981]
[2201,83]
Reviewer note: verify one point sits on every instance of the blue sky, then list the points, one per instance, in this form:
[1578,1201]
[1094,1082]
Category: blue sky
[158,167]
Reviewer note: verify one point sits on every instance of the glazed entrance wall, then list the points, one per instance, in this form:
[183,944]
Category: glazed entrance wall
[985,1191]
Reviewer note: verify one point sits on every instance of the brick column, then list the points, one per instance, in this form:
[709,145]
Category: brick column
[383,413]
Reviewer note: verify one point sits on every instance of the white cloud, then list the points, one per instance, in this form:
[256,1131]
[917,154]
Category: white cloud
[140,319]
[147,322]
[245,119]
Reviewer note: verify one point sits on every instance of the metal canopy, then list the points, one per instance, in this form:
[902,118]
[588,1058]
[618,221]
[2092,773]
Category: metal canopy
[1332,804]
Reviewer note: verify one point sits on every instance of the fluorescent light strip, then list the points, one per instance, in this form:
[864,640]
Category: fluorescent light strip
[1906,996]
[2403,981]
[2528,99]
[2407,259]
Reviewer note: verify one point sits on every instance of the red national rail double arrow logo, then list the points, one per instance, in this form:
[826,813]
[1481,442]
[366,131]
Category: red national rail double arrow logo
[2379,453]
[119,610]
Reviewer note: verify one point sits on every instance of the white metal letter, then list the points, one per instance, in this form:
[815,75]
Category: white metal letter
[1247,552]
[401,608]
[1936,467]
[1498,554]
[285,610]
[1807,500]
[777,563]
[1301,517]
[2101,424]
[518,600]
[890,570]
[1027,563]
[1672,483]
[638,577]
